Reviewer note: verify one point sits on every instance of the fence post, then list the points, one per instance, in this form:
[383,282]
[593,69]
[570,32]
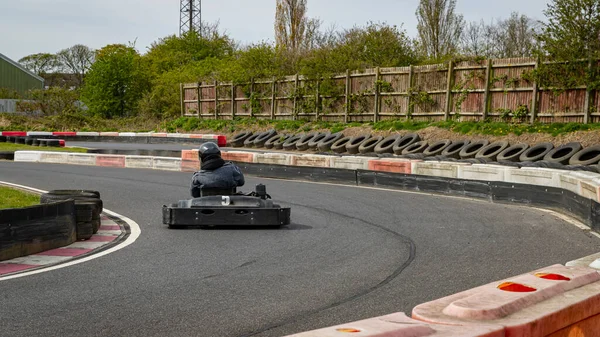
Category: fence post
[534,96]
[200,98]
[317,99]
[216,100]
[233,102]
[198,90]
[181,98]
[410,107]
[295,110]
[273,98]
[588,97]
[348,84]
[486,95]
[377,108]
[449,91]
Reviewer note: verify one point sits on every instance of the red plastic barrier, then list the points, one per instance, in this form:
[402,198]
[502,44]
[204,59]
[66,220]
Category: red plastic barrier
[110,161]
[539,303]
[14,133]
[398,325]
[61,142]
[390,166]
[65,134]
[221,140]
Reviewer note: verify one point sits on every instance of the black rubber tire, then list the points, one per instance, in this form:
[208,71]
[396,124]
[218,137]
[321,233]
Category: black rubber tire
[563,153]
[413,156]
[249,142]
[513,153]
[437,148]
[355,142]
[586,168]
[96,225]
[270,143]
[239,139]
[326,144]
[492,151]
[53,143]
[588,156]
[2,139]
[263,137]
[387,144]
[471,150]
[302,143]
[406,141]
[508,163]
[7,155]
[314,143]
[85,230]
[82,193]
[36,142]
[11,139]
[43,142]
[417,147]
[453,151]
[84,211]
[20,140]
[544,164]
[290,144]
[28,141]
[368,146]
[340,145]
[536,152]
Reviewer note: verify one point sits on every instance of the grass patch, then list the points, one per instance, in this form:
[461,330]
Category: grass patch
[13,198]
[21,147]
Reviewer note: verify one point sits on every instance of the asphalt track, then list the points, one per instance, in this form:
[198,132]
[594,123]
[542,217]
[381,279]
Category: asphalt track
[350,253]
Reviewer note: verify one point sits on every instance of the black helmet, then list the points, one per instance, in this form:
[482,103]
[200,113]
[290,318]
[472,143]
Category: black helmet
[209,149]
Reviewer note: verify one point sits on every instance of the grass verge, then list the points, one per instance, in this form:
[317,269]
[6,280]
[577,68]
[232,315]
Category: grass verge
[21,147]
[13,198]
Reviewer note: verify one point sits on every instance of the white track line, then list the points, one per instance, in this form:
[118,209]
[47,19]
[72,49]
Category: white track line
[135,233]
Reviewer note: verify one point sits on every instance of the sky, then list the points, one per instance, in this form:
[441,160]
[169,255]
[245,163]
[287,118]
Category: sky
[36,26]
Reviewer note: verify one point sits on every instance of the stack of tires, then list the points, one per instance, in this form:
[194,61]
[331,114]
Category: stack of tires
[571,156]
[46,141]
[88,207]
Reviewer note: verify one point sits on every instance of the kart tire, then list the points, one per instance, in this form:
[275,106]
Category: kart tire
[453,150]
[354,143]
[263,137]
[2,139]
[270,143]
[340,145]
[471,150]
[53,143]
[492,151]
[239,139]
[81,193]
[327,143]
[387,144]
[437,148]
[249,142]
[84,230]
[512,153]
[563,153]
[314,143]
[28,141]
[368,146]
[537,152]
[96,223]
[302,143]
[417,147]
[20,140]
[290,144]
[404,142]
[36,142]
[84,211]
[588,156]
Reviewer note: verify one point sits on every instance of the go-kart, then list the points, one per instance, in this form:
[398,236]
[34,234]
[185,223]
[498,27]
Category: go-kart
[215,208]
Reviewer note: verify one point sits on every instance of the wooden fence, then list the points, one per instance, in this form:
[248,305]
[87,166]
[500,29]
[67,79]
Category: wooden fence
[501,89]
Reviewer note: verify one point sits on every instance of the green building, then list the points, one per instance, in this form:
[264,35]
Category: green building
[14,76]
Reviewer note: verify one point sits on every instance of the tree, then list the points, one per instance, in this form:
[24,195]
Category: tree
[76,60]
[439,28]
[474,40]
[115,82]
[294,31]
[512,37]
[40,64]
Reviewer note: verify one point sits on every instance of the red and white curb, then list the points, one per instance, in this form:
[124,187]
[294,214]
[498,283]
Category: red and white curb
[78,252]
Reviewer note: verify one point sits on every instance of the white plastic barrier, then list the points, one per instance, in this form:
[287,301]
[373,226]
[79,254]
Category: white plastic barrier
[28,156]
[54,157]
[139,162]
[81,159]
[144,134]
[166,163]
[312,160]
[109,134]
[126,134]
[481,172]
[592,261]
[39,133]
[88,134]
[437,169]
[272,158]
[533,176]
[351,162]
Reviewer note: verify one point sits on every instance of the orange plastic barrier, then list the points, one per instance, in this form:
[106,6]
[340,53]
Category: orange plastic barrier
[189,155]
[394,166]
[238,156]
[398,325]
[539,303]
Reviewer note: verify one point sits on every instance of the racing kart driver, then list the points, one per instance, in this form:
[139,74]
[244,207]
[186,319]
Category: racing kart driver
[214,172]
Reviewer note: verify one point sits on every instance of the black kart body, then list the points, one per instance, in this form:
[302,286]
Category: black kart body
[216,208]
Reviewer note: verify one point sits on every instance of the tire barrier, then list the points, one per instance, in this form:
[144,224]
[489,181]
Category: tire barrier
[368,146]
[327,143]
[263,137]
[270,143]
[31,230]
[471,150]
[88,207]
[563,153]
[249,142]
[290,144]
[355,142]
[437,148]
[453,151]
[340,145]
[405,142]
[512,153]
[415,148]
[492,151]
[387,144]
[314,143]
[587,156]
[537,152]
[302,143]
[278,144]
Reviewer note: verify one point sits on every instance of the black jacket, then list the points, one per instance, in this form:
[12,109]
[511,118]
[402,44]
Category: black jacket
[225,177]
